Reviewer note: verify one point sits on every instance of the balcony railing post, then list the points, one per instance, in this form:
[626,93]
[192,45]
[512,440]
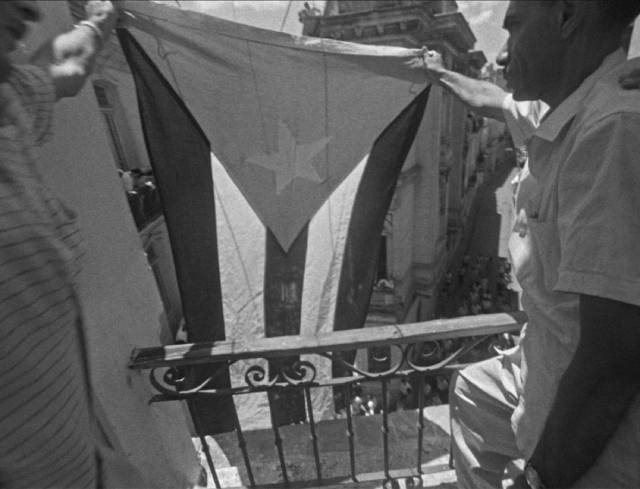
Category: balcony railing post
[243,448]
[385,430]
[205,445]
[278,443]
[314,436]
[420,425]
[352,457]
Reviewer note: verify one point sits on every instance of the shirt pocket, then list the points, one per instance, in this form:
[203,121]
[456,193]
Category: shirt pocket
[545,253]
[544,240]
[538,206]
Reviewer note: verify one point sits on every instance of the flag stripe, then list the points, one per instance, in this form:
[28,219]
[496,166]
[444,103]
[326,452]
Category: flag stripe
[181,159]
[370,208]
[283,285]
[283,282]
[180,153]
[241,246]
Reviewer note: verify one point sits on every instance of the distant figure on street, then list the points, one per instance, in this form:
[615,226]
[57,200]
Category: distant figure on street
[404,390]
[431,398]
[357,406]
[372,405]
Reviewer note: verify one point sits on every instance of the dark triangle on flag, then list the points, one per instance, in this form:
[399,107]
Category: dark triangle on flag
[283,284]
[180,155]
[371,204]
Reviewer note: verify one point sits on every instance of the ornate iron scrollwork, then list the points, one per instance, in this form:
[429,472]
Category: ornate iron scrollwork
[422,357]
[173,382]
[296,373]
[351,367]
[423,354]
[256,376]
[300,372]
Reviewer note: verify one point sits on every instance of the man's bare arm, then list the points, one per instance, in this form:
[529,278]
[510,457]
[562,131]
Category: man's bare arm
[594,394]
[482,97]
[70,57]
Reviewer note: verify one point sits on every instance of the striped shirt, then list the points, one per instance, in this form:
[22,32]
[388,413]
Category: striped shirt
[46,438]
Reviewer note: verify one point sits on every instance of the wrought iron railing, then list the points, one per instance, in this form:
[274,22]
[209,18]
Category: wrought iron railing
[418,350]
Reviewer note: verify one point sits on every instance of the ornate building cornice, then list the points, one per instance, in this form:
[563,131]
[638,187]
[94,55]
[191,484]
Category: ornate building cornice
[402,23]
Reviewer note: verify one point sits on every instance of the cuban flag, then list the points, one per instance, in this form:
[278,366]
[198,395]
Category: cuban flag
[276,159]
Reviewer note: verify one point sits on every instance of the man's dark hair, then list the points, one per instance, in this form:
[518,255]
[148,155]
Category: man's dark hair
[620,13]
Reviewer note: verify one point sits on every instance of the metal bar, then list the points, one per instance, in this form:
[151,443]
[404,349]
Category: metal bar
[278,443]
[286,14]
[284,346]
[205,445]
[314,436]
[385,430]
[242,443]
[207,454]
[352,456]
[420,424]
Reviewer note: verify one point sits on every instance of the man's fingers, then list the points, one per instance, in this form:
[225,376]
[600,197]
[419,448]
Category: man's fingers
[417,62]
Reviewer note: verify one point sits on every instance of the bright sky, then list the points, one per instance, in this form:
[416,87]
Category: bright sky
[484,16]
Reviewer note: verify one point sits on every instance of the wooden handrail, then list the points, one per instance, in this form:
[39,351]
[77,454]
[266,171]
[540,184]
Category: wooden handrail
[286,346]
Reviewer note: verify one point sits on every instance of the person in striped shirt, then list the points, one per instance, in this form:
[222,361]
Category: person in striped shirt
[46,421]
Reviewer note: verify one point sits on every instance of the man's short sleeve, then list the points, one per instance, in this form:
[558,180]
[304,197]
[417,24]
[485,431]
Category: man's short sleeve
[36,92]
[522,118]
[599,211]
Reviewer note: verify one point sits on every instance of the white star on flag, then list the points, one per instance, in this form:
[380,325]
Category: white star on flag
[292,160]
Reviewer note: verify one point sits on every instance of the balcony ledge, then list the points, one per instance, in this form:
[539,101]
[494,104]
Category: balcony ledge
[286,346]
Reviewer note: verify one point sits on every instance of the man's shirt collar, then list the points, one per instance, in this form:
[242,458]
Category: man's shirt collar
[551,125]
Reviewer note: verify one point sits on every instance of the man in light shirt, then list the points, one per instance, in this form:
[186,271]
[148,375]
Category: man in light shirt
[567,400]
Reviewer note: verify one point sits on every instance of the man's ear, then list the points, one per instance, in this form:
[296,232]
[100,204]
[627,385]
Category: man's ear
[569,15]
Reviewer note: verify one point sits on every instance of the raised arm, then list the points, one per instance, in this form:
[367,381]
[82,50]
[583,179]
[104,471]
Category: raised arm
[70,57]
[482,97]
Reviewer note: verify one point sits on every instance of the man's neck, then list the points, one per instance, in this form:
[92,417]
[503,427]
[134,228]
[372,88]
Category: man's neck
[578,64]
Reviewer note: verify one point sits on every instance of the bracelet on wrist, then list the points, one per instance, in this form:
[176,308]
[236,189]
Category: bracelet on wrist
[94,27]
